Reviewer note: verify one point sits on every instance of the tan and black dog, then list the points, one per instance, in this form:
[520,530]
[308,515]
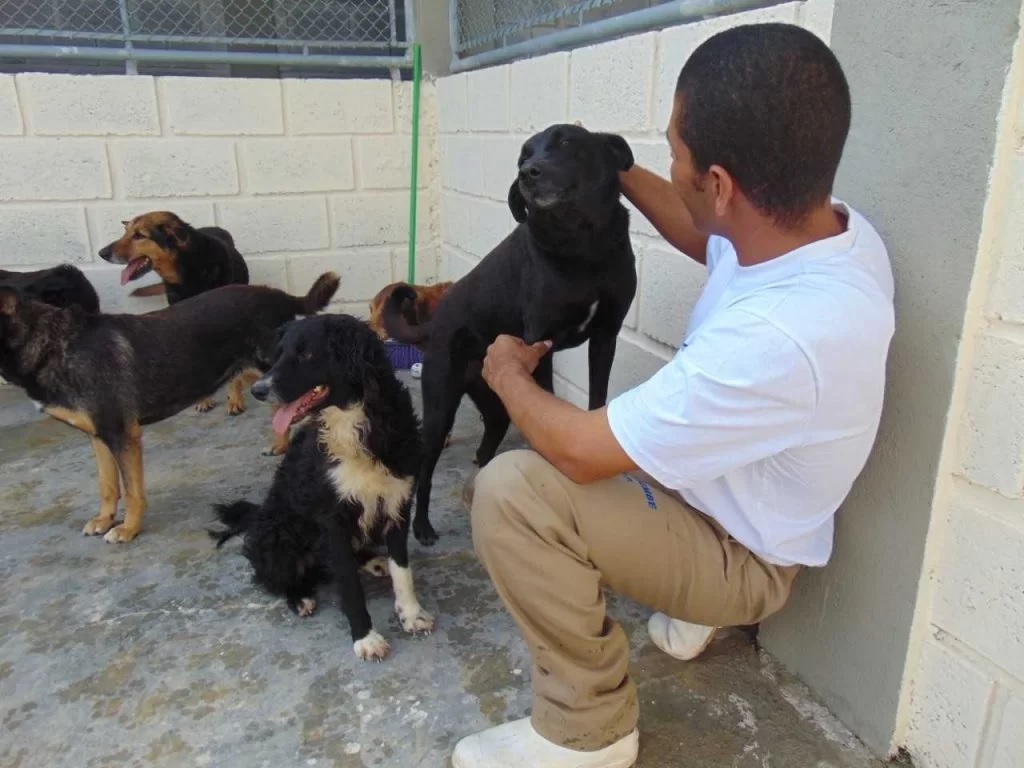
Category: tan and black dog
[110,375]
[189,261]
[411,305]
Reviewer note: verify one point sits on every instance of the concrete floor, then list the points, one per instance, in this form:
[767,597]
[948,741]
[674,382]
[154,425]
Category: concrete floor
[160,653]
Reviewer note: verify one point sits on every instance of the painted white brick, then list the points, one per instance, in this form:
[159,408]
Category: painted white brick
[670,284]
[1009,750]
[276,225]
[151,168]
[816,15]
[274,166]
[462,163]
[216,106]
[53,169]
[384,162]
[10,112]
[488,99]
[268,270]
[678,43]
[89,105]
[363,272]
[452,103]
[947,709]
[1013,236]
[500,165]
[338,106]
[654,156]
[105,220]
[370,219]
[571,365]
[403,107]
[43,235]
[539,92]
[979,585]
[455,265]
[114,297]
[611,84]
[991,439]
[1006,301]
[633,365]
[486,224]
[426,264]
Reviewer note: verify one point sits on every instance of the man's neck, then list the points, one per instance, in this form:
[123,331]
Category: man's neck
[758,239]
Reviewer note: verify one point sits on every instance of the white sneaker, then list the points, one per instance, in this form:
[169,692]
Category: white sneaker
[517,745]
[679,639]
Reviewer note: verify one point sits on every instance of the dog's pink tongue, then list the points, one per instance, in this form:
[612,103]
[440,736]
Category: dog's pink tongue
[126,273]
[284,416]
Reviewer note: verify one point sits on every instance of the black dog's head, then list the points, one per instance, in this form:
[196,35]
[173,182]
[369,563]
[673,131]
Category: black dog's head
[321,361]
[571,167]
[150,242]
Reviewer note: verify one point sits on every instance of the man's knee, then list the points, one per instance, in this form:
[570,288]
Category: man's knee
[504,492]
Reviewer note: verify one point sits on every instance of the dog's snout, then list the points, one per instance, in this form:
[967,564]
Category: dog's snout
[261,388]
[529,171]
[106,252]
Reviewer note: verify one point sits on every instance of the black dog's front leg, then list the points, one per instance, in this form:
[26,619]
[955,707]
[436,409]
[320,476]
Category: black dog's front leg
[368,644]
[601,355]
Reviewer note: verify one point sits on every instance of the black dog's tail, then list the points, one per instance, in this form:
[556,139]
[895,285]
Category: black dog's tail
[398,316]
[320,294]
[236,516]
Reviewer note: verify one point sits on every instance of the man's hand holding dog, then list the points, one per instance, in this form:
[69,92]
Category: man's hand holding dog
[511,356]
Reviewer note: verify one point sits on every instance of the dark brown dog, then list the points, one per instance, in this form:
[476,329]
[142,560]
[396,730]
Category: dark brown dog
[111,375]
[189,260]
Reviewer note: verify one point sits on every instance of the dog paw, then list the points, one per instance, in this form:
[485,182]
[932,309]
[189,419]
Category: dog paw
[414,619]
[120,534]
[204,406]
[98,525]
[424,533]
[235,409]
[272,450]
[373,647]
[378,566]
[306,607]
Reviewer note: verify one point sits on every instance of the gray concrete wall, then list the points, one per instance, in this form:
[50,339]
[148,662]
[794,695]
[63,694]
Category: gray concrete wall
[927,79]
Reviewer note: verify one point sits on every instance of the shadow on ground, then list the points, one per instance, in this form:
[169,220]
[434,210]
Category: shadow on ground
[160,653]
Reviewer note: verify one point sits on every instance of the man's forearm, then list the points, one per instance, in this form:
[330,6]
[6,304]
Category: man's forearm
[657,200]
[546,421]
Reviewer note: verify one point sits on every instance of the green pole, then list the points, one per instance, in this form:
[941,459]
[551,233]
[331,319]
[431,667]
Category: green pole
[414,184]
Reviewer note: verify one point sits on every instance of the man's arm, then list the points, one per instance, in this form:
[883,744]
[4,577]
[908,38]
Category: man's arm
[579,443]
[658,201]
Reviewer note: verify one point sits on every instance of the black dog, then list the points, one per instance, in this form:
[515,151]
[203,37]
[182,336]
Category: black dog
[567,274]
[62,286]
[189,260]
[111,375]
[345,483]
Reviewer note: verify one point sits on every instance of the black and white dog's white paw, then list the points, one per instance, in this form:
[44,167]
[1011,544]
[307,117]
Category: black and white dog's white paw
[373,647]
[414,619]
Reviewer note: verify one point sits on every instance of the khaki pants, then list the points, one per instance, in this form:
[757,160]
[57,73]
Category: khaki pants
[551,545]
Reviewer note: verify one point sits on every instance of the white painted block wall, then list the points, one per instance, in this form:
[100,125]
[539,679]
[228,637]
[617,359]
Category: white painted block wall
[963,698]
[623,86]
[308,175]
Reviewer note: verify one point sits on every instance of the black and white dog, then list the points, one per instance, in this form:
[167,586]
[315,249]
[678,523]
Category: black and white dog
[345,483]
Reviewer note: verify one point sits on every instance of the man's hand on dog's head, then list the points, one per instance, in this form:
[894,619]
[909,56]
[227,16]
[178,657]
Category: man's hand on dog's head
[511,356]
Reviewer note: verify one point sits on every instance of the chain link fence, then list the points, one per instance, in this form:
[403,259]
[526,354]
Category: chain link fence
[253,33]
[482,25]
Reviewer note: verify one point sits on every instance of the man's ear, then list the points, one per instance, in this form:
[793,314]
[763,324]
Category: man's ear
[620,150]
[516,202]
[9,300]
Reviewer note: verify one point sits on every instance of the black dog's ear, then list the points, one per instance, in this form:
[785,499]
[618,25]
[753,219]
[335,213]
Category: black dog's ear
[620,149]
[10,298]
[516,202]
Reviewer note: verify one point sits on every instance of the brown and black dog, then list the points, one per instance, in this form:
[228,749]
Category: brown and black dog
[189,260]
[111,375]
[414,304]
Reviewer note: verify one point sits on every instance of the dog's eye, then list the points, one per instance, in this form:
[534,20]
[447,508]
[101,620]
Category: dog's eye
[138,236]
[563,143]
[305,356]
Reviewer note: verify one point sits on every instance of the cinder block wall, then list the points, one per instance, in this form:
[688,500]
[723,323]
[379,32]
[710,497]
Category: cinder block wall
[963,700]
[624,86]
[308,175]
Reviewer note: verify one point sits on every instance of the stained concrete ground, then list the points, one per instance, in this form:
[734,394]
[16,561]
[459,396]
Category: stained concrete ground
[161,653]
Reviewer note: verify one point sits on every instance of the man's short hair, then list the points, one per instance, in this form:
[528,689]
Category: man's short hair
[770,104]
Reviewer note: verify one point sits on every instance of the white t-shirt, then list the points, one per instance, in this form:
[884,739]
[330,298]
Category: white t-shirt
[768,411]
